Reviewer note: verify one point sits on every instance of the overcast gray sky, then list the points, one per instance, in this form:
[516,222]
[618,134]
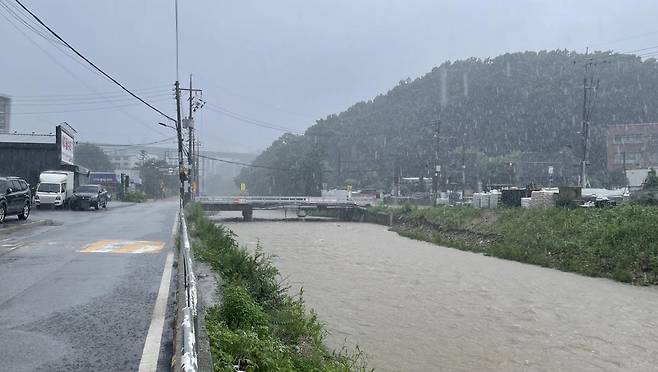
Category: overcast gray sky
[285,62]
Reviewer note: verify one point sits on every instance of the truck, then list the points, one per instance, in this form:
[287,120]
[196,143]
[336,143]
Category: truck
[55,189]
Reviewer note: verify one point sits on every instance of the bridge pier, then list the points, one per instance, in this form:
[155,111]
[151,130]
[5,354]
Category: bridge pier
[247,214]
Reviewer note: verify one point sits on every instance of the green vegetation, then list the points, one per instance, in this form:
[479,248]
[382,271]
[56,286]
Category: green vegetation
[156,182]
[259,325]
[508,112]
[134,197]
[618,243]
[649,193]
[92,157]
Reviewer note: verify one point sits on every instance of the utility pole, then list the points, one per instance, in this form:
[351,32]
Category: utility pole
[190,138]
[190,148]
[437,166]
[179,133]
[588,86]
[463,165]
[197,168]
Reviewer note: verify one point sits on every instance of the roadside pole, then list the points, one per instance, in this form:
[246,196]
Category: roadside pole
[437,166]
[179,133]
[193,106]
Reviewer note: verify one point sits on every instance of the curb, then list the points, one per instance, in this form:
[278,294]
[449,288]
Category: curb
[5,230]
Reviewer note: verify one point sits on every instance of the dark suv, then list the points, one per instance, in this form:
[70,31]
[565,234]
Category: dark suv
[86,196]
[15,198]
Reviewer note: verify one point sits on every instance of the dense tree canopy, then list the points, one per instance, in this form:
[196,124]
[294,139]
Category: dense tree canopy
[92,157]
[526,107]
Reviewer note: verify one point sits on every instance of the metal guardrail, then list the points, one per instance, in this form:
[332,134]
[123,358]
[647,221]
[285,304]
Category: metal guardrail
[189,323]
[308,200]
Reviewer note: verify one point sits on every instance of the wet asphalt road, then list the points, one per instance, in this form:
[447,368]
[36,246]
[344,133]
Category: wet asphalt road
[66,310]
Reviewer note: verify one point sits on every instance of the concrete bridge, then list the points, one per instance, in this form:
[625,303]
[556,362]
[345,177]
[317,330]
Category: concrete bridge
[247,204]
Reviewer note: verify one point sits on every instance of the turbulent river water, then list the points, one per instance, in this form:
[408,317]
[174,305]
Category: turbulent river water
[415,306]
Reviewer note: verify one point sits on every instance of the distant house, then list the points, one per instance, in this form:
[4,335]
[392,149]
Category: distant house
[632,146]
[5,111]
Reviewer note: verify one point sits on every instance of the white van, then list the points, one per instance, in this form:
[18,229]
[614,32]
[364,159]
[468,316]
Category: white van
[54,189]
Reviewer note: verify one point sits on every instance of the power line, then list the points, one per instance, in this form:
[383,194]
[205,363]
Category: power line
[243,164]
[83,102]
[73,75]
[92,64]
[77,110]
[264,124]
[127,146]
[248,120]
[84,96]
[631,37]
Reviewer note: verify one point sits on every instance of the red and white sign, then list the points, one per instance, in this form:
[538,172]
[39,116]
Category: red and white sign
[67,148]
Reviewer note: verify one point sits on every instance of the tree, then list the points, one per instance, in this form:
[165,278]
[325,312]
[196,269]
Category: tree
[527,104]
[156,182]
[651,182]
[92,157]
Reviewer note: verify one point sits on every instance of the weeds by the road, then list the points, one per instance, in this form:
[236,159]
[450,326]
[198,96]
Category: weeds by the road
[618,243]
[135,197]
[259,325]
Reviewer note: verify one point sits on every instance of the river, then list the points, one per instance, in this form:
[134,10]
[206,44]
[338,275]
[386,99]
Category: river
[415,306]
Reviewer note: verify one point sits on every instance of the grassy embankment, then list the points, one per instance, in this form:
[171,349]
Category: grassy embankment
[618,243]
[258,323]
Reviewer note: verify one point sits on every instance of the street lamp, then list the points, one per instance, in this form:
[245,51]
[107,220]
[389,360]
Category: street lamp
[168,126]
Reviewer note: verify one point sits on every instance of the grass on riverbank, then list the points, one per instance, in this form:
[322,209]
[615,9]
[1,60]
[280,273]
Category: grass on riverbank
[618,243]
[259,325]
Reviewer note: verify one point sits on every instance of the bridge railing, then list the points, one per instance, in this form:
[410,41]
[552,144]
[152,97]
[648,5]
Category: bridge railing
[319,200]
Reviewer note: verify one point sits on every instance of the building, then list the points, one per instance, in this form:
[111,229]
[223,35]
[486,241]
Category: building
[27,155]
[632,146]
[5,112]
[215,175]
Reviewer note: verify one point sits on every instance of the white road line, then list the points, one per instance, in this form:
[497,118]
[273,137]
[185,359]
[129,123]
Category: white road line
[174,229]
[151,352]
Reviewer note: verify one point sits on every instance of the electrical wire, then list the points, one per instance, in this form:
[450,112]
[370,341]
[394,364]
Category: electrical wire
[248,120]
[243,164]
[78,110]
[85,96]
[73,75]
[127,146]
[82,102]
[92,64]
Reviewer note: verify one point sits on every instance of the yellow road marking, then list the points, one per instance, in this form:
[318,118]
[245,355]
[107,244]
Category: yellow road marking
[123,246]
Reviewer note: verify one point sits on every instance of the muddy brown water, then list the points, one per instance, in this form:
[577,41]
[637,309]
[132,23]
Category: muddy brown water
[419,307]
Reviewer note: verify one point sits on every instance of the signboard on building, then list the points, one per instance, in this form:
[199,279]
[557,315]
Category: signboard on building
[66,145]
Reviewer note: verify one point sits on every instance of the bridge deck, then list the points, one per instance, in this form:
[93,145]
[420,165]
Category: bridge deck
[265,202]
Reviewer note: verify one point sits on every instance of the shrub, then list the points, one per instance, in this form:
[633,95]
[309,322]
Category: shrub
[618,243]
[134,197]
[259,325]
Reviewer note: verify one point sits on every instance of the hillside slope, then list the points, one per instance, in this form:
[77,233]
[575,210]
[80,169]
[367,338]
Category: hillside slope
[512,114]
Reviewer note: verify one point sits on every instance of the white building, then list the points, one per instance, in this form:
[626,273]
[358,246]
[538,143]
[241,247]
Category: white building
[5,112]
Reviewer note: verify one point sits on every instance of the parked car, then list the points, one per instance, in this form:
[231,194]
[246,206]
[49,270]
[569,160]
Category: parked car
[87,196]
[15,198]
[55,189]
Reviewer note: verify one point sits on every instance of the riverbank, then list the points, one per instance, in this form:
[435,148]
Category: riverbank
[259,326]
[413,306]
[617,243]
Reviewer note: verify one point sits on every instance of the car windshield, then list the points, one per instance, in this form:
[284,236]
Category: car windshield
[48,187]
[87,189]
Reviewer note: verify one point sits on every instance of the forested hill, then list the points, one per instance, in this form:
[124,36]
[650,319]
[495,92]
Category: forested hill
[520,108]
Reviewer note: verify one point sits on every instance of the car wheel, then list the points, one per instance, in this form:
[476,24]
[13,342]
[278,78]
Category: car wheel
[25,213]
[3,213]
